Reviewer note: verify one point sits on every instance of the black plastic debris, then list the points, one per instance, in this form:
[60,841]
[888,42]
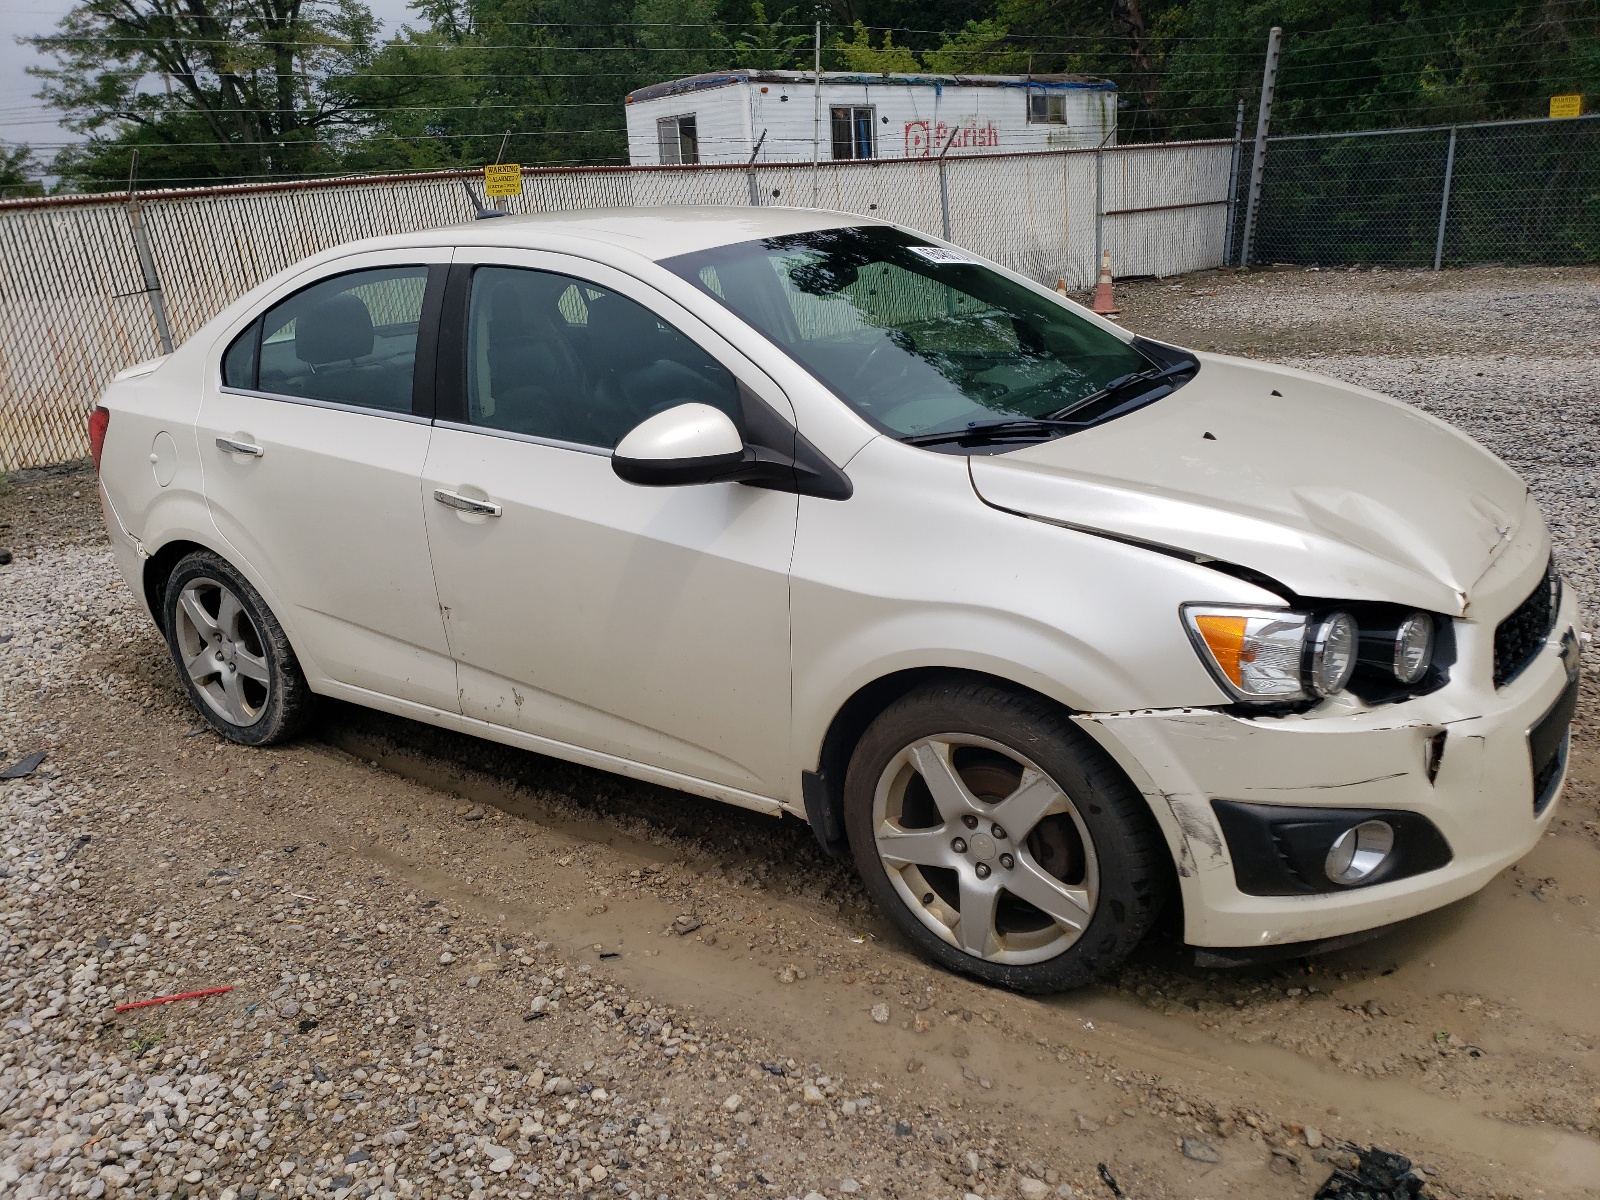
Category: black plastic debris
[1107,1178]
[1380,1175]
[23,767]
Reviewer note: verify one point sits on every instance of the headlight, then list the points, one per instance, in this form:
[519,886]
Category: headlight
[1266,655]
[1331,655]
[1402,649]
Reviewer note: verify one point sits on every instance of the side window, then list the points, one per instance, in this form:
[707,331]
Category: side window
[239,363]
[556,357]
[351,339]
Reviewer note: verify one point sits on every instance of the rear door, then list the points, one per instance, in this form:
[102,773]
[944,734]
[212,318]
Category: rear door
[649,625]
[313,439]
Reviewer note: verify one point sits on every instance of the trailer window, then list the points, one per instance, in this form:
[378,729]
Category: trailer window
[1047,108]
[853,132]
[680,140]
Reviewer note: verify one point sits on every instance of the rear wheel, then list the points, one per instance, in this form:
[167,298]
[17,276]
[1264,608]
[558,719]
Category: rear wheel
[1000,839]
[231,653]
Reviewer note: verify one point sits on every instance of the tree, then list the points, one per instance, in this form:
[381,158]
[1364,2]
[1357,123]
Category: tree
[19,173]
[205,90]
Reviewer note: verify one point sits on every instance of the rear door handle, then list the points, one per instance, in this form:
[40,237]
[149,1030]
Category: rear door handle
[237,447]
[466,504]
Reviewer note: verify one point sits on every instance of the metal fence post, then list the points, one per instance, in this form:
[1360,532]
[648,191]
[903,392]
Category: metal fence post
[816,119]
[1444,199]
[750,171]
[147,260]
[1269,80]
[1099,205]
[944,185]
[1233,184]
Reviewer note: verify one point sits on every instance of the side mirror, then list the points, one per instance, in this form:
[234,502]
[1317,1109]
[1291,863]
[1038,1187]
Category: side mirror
[692,443]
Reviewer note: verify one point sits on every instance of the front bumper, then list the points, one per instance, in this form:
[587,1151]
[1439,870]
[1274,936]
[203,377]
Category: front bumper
[1482,798]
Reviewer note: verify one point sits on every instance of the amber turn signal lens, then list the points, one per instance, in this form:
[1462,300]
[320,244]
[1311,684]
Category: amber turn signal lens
[1224,637]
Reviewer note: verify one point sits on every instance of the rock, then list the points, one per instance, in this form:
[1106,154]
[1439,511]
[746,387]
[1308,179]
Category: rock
[731,1104]
[288,1009]
[685,923]
[1087,1124]
[476,813]
[1313,1137]
[849,1187]
[114,1176]
[597,1173]
[1033,1189]
[445,958]
[1200,1151]
[880,1014]
[813,1094]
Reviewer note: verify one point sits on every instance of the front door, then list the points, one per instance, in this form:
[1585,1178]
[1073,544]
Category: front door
[646,624]
[313,444]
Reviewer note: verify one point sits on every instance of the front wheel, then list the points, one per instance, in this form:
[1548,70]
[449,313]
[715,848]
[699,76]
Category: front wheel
[231,653]
[1000,839]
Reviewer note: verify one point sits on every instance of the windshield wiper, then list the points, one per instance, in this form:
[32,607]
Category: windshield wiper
[994,431]
[1155,376]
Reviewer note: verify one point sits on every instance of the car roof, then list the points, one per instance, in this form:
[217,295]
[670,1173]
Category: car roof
[654,233]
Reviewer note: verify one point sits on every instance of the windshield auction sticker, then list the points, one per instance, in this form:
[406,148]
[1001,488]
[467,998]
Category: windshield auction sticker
[938,254]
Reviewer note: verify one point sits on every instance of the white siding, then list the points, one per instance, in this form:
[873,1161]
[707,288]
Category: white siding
[913,120]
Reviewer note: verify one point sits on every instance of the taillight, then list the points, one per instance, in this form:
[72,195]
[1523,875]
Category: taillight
[99,422]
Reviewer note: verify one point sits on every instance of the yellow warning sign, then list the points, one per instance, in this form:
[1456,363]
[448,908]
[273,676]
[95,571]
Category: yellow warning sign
[502,179]
[1566,106]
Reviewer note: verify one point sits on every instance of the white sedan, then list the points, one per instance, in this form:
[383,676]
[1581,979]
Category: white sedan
[1045,624]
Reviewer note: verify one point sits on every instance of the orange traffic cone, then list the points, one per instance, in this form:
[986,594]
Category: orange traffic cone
[1103,304]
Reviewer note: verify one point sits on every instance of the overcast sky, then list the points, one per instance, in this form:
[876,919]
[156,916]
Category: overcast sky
[22,117]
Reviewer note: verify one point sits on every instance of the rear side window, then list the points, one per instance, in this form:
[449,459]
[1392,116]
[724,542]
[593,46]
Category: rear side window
[566,359]
[239,363]
[349,340]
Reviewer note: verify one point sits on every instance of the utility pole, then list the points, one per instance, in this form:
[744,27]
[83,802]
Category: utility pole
[816,119]
[1269,80]
[1233,184]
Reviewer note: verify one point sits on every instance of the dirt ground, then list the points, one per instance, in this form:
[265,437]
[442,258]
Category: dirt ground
[406,888]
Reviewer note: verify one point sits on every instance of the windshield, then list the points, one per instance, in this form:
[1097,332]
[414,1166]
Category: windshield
[920,339]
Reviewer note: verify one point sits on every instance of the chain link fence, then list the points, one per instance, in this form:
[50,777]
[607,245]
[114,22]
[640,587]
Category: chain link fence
[1519,192]
[92,284]
[81,298]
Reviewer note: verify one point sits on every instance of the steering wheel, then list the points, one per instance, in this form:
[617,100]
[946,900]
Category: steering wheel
[863,366]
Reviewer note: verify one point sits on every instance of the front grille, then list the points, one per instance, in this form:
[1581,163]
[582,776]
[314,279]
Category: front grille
[1518,638]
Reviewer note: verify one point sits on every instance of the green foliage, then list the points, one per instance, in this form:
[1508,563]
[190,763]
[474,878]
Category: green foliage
[244,87]
[19,173]
[267,88]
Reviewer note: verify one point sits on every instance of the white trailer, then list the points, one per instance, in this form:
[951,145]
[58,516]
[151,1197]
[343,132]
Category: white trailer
[723,117]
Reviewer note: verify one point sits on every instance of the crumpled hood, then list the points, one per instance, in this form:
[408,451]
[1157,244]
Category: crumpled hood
[1332,490]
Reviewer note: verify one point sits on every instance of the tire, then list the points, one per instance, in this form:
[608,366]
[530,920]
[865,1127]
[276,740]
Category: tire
[231,654]
[1062,889]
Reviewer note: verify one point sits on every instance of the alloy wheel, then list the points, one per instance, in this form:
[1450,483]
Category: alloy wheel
[985,848]
[223,651]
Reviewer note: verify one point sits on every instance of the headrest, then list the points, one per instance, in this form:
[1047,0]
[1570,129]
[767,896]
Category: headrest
[337,330]
[631,332]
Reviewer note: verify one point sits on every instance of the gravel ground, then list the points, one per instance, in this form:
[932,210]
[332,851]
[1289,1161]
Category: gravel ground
[461,971]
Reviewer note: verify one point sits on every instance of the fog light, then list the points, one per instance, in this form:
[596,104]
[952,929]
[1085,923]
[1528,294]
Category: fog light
[1359,851]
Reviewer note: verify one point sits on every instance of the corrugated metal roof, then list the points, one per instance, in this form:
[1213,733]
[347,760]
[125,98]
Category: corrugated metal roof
[716,79]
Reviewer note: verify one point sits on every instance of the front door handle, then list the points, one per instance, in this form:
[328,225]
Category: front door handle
[466,504]
[236,447]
